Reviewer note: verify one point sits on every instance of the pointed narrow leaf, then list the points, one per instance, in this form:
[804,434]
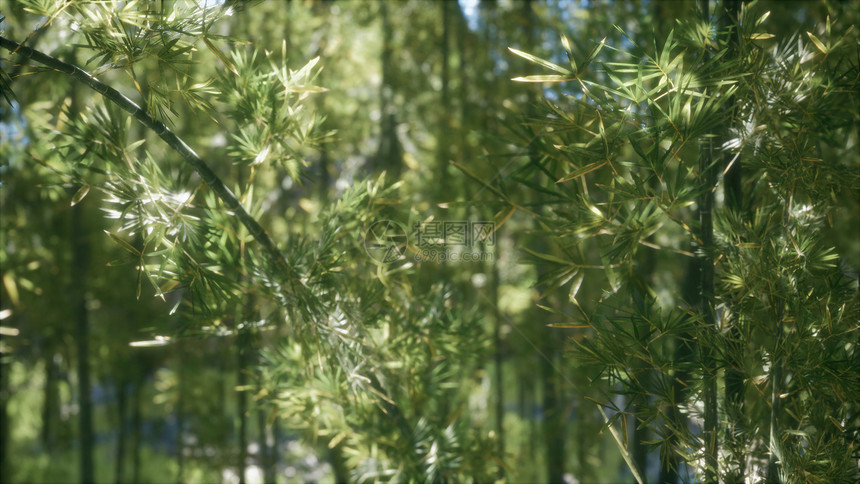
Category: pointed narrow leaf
[125,245]
[157,341]
[593,53]
[220,55]
[762,18]
[547,78]
[565,43]
[80,194]
[582,171]
[761,36]
[538,60]
[817,43]
[568,325]
[575,285]
[546,257]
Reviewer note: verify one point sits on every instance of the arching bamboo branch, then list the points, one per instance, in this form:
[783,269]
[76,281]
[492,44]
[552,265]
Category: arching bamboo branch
[208,176]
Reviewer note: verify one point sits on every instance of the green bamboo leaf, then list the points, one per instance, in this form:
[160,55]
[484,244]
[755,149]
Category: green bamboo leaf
[220,55]
[80,194]
[582,171]
[125,245]
[575,285]
[135,145]
[5,87]
[565,42]
[817,43]
[538,60]
[568,325]
[762,18]
[591,55]
[546,257]
[761,36]
[157,341]
[546,78]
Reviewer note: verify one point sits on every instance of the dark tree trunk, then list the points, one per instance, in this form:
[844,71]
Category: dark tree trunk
[443,151]
[734,388]
[683,356]
[498,365]
[263,441]
[80,257]
[708,174]
[80,264]
[709,365]
[684,351]
[463,93]
[554,418]
[50,407]
[389,155]
[276,446]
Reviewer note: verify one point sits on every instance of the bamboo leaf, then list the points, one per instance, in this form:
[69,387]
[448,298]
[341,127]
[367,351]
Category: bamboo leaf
[80,194]
[546,257]
[539,61]
[566,44]
[761,36]
[220,55]
[125,245]
[762,18]
[582,171]
[546,78]
[818,43]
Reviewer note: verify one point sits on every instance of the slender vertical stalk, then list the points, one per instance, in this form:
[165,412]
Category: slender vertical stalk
[80,264]
[82,337]
[463,68]
[554,418]
[4,399]
[708,175]
[388,155]
[136,425]
[276,448]
[498,365]
[776,377]
[709,370]
[734,389]
[639,301]
[242,395]
[443,142]
[50,407]
[180,414]
[776,370]
[263,439]
[121,405]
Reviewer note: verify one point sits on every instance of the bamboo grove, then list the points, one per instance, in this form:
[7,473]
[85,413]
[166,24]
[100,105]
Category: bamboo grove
[509,241]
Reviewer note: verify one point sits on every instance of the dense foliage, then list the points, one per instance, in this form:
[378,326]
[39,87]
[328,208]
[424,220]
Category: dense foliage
[412,241]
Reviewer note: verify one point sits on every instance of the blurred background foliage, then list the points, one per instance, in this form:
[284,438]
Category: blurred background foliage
[146,338]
